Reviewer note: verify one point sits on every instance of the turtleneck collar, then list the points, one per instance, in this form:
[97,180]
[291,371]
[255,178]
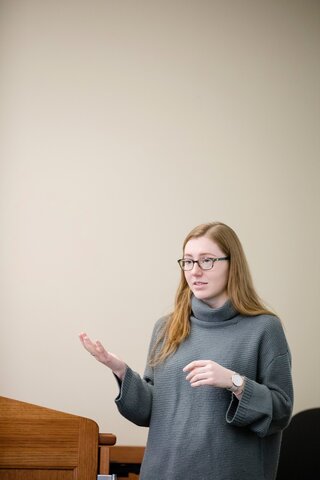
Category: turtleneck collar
[203,312]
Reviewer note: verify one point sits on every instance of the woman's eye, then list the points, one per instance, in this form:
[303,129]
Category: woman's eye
[188,262]
[206,260]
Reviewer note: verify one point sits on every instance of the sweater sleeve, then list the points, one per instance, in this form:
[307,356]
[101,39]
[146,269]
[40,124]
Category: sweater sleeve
[266,403]
[135,398]
[134,401]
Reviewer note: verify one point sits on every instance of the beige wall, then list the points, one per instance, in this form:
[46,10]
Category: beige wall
[123,125]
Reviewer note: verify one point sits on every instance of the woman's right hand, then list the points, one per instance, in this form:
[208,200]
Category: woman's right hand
[98,351]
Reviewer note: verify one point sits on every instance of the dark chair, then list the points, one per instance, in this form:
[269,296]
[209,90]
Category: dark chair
[300,449]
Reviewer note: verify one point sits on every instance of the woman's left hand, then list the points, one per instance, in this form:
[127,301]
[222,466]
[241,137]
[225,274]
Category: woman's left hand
[207,372]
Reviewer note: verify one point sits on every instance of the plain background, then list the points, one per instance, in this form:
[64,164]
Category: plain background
[123,125]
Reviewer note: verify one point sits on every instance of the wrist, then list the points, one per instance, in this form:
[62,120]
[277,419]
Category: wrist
[120,372]
[237,383]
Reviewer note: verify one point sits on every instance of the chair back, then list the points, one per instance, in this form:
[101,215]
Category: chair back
[300,448]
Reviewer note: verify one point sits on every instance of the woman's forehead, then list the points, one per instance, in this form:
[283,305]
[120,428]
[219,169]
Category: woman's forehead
[201,245]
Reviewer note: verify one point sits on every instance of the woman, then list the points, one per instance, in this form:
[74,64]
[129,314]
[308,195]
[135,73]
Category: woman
[217,389]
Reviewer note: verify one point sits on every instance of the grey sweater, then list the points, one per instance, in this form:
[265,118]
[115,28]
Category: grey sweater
[205,432]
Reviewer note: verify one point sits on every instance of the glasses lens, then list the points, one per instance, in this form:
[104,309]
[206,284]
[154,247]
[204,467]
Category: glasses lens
[186,264]
[206,263]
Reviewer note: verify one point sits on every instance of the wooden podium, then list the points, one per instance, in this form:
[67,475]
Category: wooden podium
[38,443]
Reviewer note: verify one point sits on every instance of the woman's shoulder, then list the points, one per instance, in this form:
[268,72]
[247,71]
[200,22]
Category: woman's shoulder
[264,325]
[271,332]
[269,322]
[267,319]
[161,323]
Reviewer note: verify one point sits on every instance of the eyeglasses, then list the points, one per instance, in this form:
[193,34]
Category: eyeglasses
[205,263]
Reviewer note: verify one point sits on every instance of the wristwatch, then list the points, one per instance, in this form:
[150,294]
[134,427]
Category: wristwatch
[237,382]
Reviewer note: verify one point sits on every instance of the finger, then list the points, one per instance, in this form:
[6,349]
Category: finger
[198,376]
[101,352]
[196,373]
[84,337]
[195,364]
[199,383]
[100,348]
[89,345]
[81,336]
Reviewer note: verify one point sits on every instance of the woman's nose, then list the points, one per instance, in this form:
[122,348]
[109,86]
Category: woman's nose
[196,269]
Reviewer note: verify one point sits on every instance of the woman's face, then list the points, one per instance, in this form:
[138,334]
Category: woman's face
[210,286]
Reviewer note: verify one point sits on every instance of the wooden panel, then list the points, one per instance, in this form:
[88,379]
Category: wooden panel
[126,454]
[21,474]
[28,442]
[37,442]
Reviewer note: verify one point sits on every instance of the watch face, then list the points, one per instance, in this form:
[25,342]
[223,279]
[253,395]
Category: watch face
[237,380]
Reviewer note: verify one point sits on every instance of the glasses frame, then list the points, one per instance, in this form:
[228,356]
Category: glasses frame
[213,259]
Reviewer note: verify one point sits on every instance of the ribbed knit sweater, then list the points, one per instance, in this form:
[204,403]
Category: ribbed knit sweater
[206,433]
